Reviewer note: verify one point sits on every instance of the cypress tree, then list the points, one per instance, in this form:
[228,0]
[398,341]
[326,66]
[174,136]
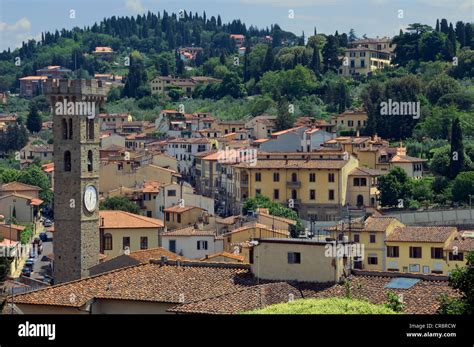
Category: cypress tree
[457,160]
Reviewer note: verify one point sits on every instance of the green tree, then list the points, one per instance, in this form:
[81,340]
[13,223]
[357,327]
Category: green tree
[331,54]
[14,138]
[457,159]
[136,75]
[463,186]
[268,61]
[393,302]
[285,119]
[393,187]
[441,85]
[33,121]
[119,203]
[461,279]
[316,61]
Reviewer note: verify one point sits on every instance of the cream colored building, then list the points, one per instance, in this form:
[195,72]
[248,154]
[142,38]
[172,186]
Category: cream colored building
[350,120]
[122,232]
[295,260]
[114,175]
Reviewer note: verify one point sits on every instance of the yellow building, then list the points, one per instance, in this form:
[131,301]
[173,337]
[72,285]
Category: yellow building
[350,120]
[362,188]
[370,233]
[426,249]
[363,57]
[122,232]
[182,216]
[316,188]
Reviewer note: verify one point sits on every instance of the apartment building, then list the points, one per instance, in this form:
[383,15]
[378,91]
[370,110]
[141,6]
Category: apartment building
[315,188]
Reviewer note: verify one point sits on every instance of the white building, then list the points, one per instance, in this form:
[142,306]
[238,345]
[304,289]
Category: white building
[192,243]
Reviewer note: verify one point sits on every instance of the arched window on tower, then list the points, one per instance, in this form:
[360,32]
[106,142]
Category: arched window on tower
[70,128]
[67,161]
[89,161]
[64,129]
[90,129]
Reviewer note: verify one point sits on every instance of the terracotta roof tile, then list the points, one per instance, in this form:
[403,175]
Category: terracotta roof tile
[421,234]
[189,231]
[124,220]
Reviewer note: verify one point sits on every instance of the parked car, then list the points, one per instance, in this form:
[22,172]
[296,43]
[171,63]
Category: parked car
[29,263]
[26,271]
[48,279]
[47,223]
[43,237]
[38,245]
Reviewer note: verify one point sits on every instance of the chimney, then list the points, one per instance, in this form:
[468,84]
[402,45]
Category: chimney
[163,260]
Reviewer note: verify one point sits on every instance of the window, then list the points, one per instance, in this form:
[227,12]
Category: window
[202,245]
[258,191]
[144,242]
[312,177]
[126,242]
[167,216]
[331,177]
[172,246]
[89,161]
[294,177]
[108,242]
[456,257]
[178,218]
[258,177]
[294,258]
[350,123]
[436,253]
[356,182]
[372,238]
[90,129]
[171,192]
[67,161]
[372,260]
[294,194]
[149,214]
[276,194]
[415,252]
[414,268]
[356,238]
[312,194]
[363,182]
[64,128]
[331,194]
[70,128]
[393,251]
[276,177]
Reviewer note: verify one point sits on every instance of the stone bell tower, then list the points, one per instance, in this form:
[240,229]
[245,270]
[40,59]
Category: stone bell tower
[75,106]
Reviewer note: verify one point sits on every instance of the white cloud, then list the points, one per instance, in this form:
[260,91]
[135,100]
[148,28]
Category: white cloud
[21,24]
[135,6]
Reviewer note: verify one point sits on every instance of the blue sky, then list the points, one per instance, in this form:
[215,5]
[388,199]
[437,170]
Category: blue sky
[24,19]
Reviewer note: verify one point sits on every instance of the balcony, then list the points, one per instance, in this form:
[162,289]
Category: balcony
[293,184]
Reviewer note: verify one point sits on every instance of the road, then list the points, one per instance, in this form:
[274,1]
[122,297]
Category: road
[41,266]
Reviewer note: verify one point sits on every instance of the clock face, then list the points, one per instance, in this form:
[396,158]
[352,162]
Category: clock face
[90,198]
